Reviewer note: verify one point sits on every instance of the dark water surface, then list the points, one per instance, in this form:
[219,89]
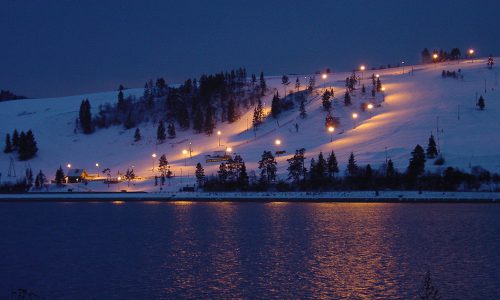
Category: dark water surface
[249,250]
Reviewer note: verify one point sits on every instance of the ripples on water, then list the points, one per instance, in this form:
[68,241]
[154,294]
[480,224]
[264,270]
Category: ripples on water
[249,250]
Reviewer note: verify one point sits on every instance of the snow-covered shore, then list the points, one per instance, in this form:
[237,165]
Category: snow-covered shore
[339,196]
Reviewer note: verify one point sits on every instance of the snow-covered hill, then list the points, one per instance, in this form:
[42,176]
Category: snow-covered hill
[416,104]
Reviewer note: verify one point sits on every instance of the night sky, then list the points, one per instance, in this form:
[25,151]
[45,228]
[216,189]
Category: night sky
[56,48]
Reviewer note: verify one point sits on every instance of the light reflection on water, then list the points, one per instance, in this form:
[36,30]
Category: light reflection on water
[228,250]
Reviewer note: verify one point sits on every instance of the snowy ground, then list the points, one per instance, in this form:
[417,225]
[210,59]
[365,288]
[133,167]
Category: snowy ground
[414,107]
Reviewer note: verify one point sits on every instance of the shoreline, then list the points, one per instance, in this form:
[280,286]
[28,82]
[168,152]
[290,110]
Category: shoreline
[306,197]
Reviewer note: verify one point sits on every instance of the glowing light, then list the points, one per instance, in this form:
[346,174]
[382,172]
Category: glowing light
[370,106]
[377,75]
[229,149]
[153,155]
[354,115]
[435,56]
[383,89]
[471,51]
[184,151]
[119,178]
[69,166]
[362,68]
[218,132]
[324,76]
[277,142]
[97,165]
[331,129]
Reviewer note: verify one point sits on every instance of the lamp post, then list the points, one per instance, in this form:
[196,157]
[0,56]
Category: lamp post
[362,68]
[383,93]
[435,57]
[370,106]
[277,142]
[403,64]
[355,117]
[324,77]
[185,152]
[153,156]
[218,134]
[471,54]
[331,129]
[229,150]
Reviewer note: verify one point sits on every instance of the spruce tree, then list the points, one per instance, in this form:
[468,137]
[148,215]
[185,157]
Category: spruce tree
[285,82]
[209,125]
[40,180]
[15,140]
[363,89]
[347,99]
[231,111]
[379,85]
[480,103]
[432,151]
[417,162]
[223,173]
[263,85]
[129,122]
[258,114]
[200,175]
[163,165]
[198,121]
[171,130]
[85,117]
[243,176]
[60,178]
[332,165]
[160,133]
[8,145]
[303,112]
[296,169]
[352,167]
[297,84]
[275,106]
[390,171]
[121,101]
[137,135]
[327,104]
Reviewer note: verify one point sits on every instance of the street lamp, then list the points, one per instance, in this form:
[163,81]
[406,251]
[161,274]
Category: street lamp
[403,64]
[471,54]
[153,156]
[324,76]
[331,129]
[185,152]
[229,150]
[69,166]
[435,57]
[370,106]
[362,68]
[277,142]
[219,133]
[354,115]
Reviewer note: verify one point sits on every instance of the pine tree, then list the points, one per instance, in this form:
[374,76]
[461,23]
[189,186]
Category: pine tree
[15,140]
[379,85]
[200,175]
[347,99]
[275,106]
[40,180]
[432,151]
[29,177]
[171,131]
[332,165]
[426,56]
[352,167]
[263,85]
[363,89]
[303,112]
[137,135]
[312,83]
[231,111]
[243,176]
[8,145]
[296,169]
[129,122]
[60,178]
[480,103]
[160,133]
[320,172]
[417,162]
[267,167]
[182,115]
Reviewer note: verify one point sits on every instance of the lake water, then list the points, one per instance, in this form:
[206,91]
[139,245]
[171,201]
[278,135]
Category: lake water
[249,250]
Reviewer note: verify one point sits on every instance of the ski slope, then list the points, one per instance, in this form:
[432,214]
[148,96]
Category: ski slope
[413,106]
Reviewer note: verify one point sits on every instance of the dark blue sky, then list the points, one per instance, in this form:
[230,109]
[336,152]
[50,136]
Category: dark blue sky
[55,48]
